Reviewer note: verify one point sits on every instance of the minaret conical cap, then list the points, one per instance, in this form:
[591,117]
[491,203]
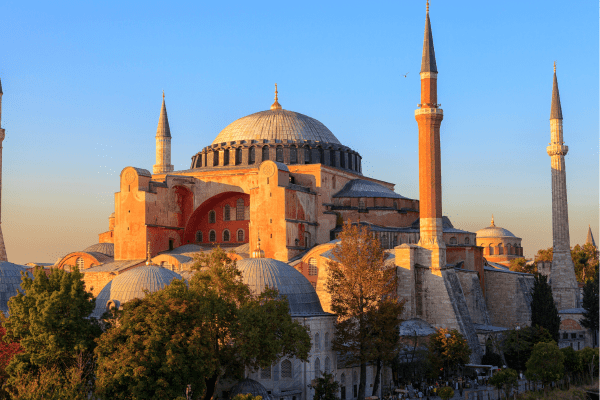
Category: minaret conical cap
[1,86]
[555,109]
[590,237]
[428,61]
[163,129]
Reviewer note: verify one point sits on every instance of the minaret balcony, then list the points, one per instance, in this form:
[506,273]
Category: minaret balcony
[429,111]
[557,150]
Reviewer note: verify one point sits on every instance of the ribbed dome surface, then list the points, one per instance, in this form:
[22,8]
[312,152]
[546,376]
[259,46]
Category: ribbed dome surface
[249,386]
[494,232]
[131,285]
[104,248]
[364,188]
[276,124]
[10,283]
[259,273]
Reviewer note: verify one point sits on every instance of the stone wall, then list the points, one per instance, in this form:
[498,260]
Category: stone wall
[508,298]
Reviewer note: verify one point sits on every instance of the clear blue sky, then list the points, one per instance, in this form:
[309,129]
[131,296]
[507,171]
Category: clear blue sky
[82,91]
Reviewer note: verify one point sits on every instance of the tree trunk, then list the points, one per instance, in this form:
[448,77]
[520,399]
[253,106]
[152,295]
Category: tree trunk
[376,381]
[211,385]
[363,381]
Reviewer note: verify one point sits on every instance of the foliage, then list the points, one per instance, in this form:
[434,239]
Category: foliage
[518,345]
[572,361]
[50,322]
[490,358]
[544,255]
[448,349]
[326,387]
[590,304]
[505,379]
[446,392]
[520,265]
[589,360]
[546,363]
[7,352]
[247,396]
[585,260]
[362,290]
[543,308]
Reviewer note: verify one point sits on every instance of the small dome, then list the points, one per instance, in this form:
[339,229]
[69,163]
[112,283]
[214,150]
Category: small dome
[276,124]
[249,386]
[493,231]
[10,282]
[104,248]
[131,285]
[259,273]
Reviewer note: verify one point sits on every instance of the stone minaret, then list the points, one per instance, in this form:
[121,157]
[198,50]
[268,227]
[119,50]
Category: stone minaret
[429,117]
[163,143]
[562,275]
[3,256]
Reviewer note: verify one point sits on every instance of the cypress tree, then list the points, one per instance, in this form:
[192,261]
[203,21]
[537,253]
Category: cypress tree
[543,308]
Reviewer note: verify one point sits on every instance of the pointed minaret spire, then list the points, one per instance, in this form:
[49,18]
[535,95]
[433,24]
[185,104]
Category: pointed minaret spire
[163,142]
[556,109]
[590,237]
[276,105]
[428,60]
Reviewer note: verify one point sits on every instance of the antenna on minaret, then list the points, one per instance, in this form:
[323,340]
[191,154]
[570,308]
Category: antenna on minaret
[427,5]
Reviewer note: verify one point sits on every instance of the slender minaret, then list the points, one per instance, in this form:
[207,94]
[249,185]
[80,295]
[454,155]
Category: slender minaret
[429,117]
[590,237]
[3,256]
[562,275]
[163,143]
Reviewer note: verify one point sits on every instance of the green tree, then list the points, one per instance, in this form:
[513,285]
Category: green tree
[543,308]
[446,393]
[448,349]
[359,283]
[326,387]
[518,345]
[544,255]
[572,362]
[546,363]
[585,260]
[520,265]
[590,305]
[247,396]
[505,379]
[589,361]
[50,322]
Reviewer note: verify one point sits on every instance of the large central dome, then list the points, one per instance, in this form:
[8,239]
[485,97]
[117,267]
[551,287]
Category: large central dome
[276,125]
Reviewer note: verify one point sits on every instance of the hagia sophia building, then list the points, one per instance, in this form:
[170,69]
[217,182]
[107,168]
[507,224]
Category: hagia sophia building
[274,188]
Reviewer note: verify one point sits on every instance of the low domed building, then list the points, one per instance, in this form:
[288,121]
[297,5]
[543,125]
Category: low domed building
[499,244]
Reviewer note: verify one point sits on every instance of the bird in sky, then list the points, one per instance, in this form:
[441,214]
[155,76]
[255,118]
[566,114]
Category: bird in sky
[406,74]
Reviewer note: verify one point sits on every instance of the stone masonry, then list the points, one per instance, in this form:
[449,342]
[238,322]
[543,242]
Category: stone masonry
[3,256]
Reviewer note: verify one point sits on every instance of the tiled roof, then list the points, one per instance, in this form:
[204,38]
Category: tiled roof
[364,188]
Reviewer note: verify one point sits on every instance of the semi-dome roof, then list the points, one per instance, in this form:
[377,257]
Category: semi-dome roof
[494,231]
[259,273]
[104,248]
[131,285]
[364,188]
[10,283]
[276,124]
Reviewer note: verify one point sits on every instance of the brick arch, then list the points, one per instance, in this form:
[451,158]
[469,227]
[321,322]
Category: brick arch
[570,325]
[198,221]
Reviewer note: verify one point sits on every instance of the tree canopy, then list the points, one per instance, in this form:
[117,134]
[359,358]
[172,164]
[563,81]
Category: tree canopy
[546,363]
[543,309]
[590,304]
[520,265]
[518,345]
[448,349]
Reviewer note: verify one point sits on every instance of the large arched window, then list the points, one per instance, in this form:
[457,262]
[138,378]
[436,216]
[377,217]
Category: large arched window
[212,217]
[307,157]
[80,263]
[199,236]
[317,341]
[212,236]
[312,267]
[265,373]
[326,340]
[279,154]
[226,235]
[240,235]
[251,155]
[321,159]
[226,213]
[491,250]
[238,156]
[216,157]
[453,240]
[327,365]
[286,369]
[265,153]
[317,367]
[226,157]
[239,210]
[293,155]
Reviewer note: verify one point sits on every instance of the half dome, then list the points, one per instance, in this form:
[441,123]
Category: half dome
[260,273]
[10,283]
[104,248]
[276,125]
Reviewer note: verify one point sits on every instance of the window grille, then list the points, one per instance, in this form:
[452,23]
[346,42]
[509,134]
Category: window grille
[317,342]
[286,369]
[80,263]
[279,154]
[293,155]
[226,235]
[226,213]
[265,153]
[251,156]
[238,156]
[327,362]
[199,236]
[317,367]
[212,236]
[312,267]
[240,235]
[212,217]
[239,210]
[265,373]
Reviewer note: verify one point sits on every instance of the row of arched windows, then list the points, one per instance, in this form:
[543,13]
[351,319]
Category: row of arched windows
[326,369]
[239,212]
[499,250]
[317,341]
[287,371]
[454,240]
[225,235]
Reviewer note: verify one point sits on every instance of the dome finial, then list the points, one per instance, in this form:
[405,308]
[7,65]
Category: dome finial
[258,253]
[163,94]
[492,223]
[276,105]
[554,66]
[148,256]
[427,5]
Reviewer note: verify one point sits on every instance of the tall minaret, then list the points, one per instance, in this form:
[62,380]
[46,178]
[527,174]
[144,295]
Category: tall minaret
[562,275]
[429,117]
[163,143]
[3,256]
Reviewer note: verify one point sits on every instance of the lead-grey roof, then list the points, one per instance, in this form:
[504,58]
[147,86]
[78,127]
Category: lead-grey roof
[494,232]
[114,266]
[132,284]
[415,327]
[251,386]
[10,282]
[428,63]
[572,311]
[555,108]
[104,248]
[260,273]
[276,125]
[364,188]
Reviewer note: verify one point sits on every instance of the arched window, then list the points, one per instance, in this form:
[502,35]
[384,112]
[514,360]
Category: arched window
[238,156]
[212,217]
[350,157]
[491,251]
[206,159]
[265,373]
[226,213]
[327,365]
[240,235]
[361,204]
[80,263]
[342,159]
[500,249]
[265,153]
[293,155]
[286,369]
[509,249]
[317,341]
[251,156]
[199,161]
[239,210]
[307,157]
[226,157]
[279,154]
[307,242]
[317,367]
[333,182]
[326,340]
[216,157]
[453,240]
[199,236]
[321,159]
[312,267]
[226,235]
[212,236]
[343,387]
[467,240]
[396,204]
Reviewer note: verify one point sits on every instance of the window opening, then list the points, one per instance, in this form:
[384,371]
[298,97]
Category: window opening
[212,217]
[312,267]
[279,154]
[251,156]
[317,341]
[212,236]
[240,235]
[239,210]
[342,159]
[265,153]
[265,373]
[307,157]
[350,157]
[286,369]
[226,213]
[453,240]
[199,236]
[226,157]
[80,263]
[293,155]
[317,367]
[226,235]
[238,156]
[327,362]
[171,244]
[215,158]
